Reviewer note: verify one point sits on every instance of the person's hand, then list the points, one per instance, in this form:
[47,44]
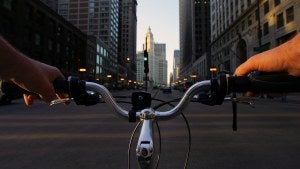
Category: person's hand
[38,79]
[284,58]
[29,74]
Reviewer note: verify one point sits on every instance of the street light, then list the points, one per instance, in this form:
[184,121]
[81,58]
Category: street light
[212,70]
[194,77]
[109,81]
[82,72]
[82,69]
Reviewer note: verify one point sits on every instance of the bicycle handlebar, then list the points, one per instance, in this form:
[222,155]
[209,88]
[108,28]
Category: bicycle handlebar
[216,90]
[89,93]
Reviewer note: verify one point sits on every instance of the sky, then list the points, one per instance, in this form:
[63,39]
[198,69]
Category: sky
[162,16]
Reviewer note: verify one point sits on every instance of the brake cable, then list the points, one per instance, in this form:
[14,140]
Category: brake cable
[187,125]
[159,133]
[130,143]
[190,141]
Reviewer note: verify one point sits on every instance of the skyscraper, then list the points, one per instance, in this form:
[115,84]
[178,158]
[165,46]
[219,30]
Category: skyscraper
[99,18]
[127,39]
[176,65]
[194,25]
[185,28]
[157,60]
[162,64]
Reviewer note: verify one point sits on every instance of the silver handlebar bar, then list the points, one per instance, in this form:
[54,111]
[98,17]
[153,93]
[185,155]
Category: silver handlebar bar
[145,146]
[108,98]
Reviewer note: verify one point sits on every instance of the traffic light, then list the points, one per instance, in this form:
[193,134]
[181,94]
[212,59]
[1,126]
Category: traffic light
[146,63]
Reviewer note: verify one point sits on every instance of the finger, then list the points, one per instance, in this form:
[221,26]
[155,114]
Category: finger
[250,65]
[28,99]
[47,93]
[62,96]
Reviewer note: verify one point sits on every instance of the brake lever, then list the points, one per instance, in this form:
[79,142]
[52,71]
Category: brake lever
[242,100]
[59,101]
[234,101]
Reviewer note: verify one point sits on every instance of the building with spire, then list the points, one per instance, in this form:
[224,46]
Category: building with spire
[158,65]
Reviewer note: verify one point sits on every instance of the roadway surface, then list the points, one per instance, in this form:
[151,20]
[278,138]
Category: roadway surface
[79,137]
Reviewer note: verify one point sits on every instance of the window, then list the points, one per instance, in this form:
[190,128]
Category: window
[37,40]
[50,44]
[243,25]
[266,28]
[280,20]
[266,7]
[248,3]
[249,20]
[28,12]
[256,15]
[39,16]
[7,4]
[290,14]
[276,2]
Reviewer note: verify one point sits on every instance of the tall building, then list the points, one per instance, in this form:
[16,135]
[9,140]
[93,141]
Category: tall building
[140,67]
[43,35]
[185,28]
[99,18]
[127,39]
[194,38]
[158,65]
[240,29]
[162,64]
[176,65]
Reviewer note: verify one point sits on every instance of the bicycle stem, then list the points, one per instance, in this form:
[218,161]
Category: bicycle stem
[145,148]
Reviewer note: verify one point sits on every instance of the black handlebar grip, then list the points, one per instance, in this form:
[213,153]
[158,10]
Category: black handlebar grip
[61,85]
[239,84]
[265,83]
[277,83]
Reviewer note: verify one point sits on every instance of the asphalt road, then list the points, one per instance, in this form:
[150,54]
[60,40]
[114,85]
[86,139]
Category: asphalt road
[79,137]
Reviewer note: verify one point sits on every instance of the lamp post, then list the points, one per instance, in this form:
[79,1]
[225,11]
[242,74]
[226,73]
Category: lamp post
[212,70]
[122,81]
[194,76]
[82,71]
[109,81]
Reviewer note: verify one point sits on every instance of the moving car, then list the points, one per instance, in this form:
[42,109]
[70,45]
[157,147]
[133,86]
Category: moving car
[167,89]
